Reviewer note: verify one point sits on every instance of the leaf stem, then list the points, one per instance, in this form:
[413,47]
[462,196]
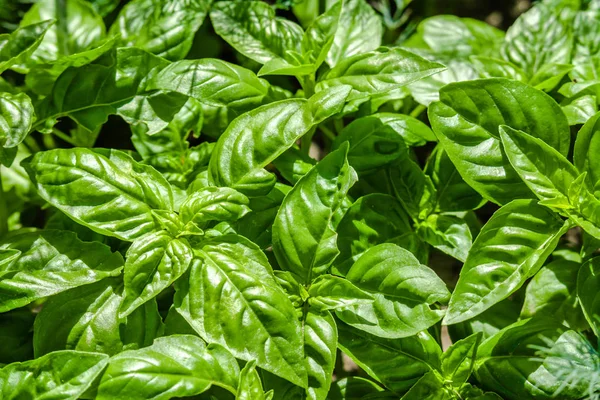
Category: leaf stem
[417,110]
[308,85]
[306,141]
[32,144]
[338,124]
[328,132]
[61,135]
[3,210]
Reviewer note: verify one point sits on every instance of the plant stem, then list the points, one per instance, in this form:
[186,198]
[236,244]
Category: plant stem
[60,9]
[306,141]
[61,135]
[308,85]
[32,144]
[3,210]
[328,132]
[417,110]
[338,124]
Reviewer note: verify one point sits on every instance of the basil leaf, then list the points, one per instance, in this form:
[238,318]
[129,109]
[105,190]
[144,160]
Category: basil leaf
[320,347]
[17,46]
[447,233]
[467,121]
[16,338]
[412,187]
[16,117]
[304,239]
[153,263]
[396,363]
[320,35]
[62,374]
[586,145]
[258,137]
[51,262]
[587,284]
[106,190]
[484,279]
[329,292]
[214,204]
[174,366]
[250,386]
[165,28]
[458,360]
[252,28]
[359,30]
[400,309]
[231,270]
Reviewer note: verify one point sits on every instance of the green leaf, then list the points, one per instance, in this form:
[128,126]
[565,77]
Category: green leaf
[586,145]
[320,34]
[258,137]
[525,234]
[458,361]
[16,337]
[580,110]
[467,121]
[16,117]
[452,192]
[80,29]
[357,388]
[320,347]
[16,47]
[553,291]
[60,375]
[396,363]
[547,172]
[257,224]
[83,318]
[372,220]
[511,364]
[252,28]
[489,322]
[153,263]
[90,93]
[214,204]
[293,164]
[304,239]
[231,297]
[164,28]
[214,82]
[489,67]
[377,72]
[174,366]
[359,31]
[429,387]
[105,190]
[403,290]
[549,76]
[447,233]
[588,282]
[531,44]
[412,187]
[250,386]
[51,262]
[329,292]
[372,144]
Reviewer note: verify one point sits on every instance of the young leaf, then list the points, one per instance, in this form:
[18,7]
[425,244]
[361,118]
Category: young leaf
[258,137]
[51,262]
[396,363]
[412,187]
[458,361]
[373,219]
[429,387]
[403,290]
[547,172]
[105,190]
[304,239]
[250,386]
[153,263]
[17,46]
[214,204]
[252,28]
[526,233]
[359,30]
[230,289]
[63,374]
[467,121]
[319,35]
[165,28]
[174,366]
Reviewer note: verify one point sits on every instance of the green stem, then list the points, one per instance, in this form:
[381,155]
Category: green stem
[61,135]
[308,85]
[338,124]
[32,144]
[328,132]
[417,111]
[61,26]
[3,210]
[306,141]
